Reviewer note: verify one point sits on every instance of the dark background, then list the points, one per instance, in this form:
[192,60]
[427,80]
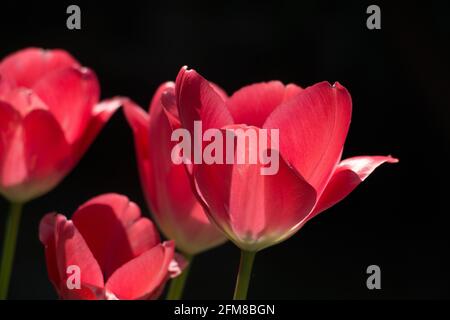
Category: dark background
[398,79]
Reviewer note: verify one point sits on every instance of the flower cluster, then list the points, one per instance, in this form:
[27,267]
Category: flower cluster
[50,113]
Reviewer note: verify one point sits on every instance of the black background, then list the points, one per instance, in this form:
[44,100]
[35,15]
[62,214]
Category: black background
[398,79]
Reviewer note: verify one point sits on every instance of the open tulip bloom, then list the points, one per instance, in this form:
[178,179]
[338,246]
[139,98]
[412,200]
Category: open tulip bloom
[49,115]
[106,251]
[254,210]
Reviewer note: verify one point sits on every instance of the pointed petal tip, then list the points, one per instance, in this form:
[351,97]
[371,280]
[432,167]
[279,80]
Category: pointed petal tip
[391,159]
[182,71]
[110,105]
[167,84]
[136,116]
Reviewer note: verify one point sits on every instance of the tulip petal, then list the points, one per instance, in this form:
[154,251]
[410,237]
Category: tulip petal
[9,121]
[14,166]
[347,176]
[124,233]
[24,100]
[45,160]
[251,105]
[177,265]
[138,120]
[165,96]
[47,238]
[101,113]
[5,87]
[70,95]
[221,92]
[197,99]
[254,210]
[72,250]
[25,67]
[313,126]
[140,277]
[291,91]
[85,292]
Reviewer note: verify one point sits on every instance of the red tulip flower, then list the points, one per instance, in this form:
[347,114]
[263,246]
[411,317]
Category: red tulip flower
[49,115]
[166,185]
[254,210]
[118,253]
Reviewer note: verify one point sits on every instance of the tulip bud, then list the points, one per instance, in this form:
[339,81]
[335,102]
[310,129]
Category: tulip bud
[166,184]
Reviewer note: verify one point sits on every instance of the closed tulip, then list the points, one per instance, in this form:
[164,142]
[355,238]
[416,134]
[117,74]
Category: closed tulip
[49,114]
[166,185]
[106,251]
[256,211]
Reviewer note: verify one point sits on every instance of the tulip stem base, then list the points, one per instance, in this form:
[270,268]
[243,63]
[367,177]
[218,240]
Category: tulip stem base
[177,284]
[245,272]
[9,247]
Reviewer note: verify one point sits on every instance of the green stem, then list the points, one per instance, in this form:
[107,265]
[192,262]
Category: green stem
[245,272]
[9,247]
[177,284]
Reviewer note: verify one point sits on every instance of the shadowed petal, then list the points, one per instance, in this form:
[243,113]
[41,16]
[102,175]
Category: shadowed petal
[47,238]
[10,119]
[72,250]
[47,153]
[251,105]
